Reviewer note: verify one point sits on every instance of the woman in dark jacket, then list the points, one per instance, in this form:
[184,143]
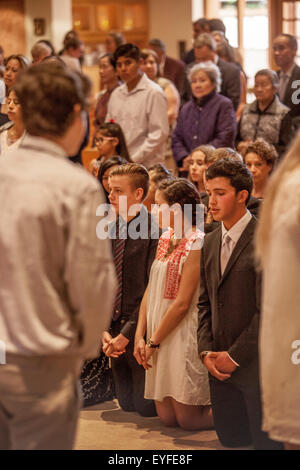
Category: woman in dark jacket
[266,117]
[207,119]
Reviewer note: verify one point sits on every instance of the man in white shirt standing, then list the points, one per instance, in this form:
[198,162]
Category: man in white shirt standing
[139,106]
[57,280]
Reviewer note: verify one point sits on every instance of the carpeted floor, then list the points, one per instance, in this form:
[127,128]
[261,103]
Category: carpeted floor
[107,427]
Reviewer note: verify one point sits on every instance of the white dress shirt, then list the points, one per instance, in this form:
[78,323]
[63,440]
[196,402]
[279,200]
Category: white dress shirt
[143,115]
[57,280]
[236,230]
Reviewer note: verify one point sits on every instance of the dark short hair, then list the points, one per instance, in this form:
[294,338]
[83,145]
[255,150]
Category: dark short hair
[73,43]
[264,150]
[70,34]
[159,172]
[155,42]
[113,129]
[110,58]
[239,176]
[47,94]
[215,24]
[292,40]
[127,50]
[203,22]
[138,175]
[108,163]
[181,191]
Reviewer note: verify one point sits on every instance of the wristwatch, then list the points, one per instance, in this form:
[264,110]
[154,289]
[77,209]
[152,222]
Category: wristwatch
[150,344]
[203,354]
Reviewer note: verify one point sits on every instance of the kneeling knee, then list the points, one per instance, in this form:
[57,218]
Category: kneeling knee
[185,423]
[169,422]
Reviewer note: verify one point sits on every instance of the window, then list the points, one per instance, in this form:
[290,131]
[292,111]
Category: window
[247,27]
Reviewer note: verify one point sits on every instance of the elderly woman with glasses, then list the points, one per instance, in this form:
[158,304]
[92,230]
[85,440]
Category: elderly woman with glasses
[266,117]
[207,119]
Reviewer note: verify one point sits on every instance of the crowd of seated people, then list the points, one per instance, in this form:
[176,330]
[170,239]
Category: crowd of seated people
[183,342]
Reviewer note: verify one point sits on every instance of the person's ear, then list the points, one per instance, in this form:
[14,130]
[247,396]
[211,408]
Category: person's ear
[139,194]
[242,196]
[77,108]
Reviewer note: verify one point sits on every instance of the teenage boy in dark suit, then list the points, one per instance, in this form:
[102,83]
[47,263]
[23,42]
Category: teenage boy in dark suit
[229,308]
[133,265]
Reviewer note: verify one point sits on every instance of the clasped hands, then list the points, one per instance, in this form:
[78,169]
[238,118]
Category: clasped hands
[219,364]
[142,353]
[114,347]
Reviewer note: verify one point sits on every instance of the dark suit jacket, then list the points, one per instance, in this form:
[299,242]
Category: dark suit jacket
[174,71]
[139,255]
[231,81]
[230,87]
[189,57]
[294,107]
[229,305]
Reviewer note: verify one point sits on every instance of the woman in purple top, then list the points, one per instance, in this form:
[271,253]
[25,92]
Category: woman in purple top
[207,119]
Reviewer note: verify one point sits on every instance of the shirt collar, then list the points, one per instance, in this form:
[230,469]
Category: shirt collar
[270,109]
[43,145]
[142,85]
[288,73]
[237,229]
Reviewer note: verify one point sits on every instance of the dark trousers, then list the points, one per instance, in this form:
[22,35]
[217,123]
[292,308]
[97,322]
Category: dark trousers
[236,405]
[129,379]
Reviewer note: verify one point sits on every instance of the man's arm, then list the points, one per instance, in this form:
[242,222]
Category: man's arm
[244,348]
[158,128]
[204,331]
[89,273]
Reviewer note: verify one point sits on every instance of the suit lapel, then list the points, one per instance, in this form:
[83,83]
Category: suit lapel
[243,241]
[215,252]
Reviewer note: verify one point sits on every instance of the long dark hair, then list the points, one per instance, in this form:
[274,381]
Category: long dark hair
[112,129]
[108,163]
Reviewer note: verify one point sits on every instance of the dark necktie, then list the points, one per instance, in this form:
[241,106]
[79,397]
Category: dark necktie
[118,260]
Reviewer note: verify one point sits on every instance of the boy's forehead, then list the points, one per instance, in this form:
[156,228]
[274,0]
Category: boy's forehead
[120,181]
[219,182]
[125,59]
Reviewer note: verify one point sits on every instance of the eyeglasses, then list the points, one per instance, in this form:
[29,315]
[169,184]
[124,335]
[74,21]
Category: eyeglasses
[100,140]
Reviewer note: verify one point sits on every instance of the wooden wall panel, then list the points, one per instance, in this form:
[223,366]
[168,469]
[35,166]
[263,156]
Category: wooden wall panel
[12,27]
